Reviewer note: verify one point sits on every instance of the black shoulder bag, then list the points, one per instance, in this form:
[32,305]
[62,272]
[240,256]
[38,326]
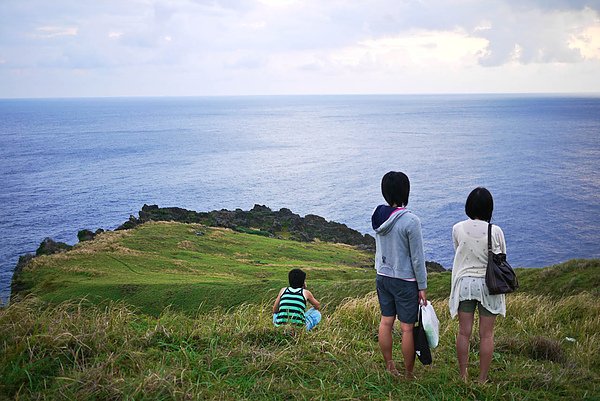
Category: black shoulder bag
[500,277]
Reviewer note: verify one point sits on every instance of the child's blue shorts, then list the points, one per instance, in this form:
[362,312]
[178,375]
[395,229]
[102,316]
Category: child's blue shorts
[311,316]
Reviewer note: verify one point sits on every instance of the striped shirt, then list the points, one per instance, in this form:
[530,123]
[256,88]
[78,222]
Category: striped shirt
[292,306]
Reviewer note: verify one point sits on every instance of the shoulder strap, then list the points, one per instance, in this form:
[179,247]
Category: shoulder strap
[288,290]
[489,237]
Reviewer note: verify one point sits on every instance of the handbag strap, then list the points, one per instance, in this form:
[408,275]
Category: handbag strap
[489,237]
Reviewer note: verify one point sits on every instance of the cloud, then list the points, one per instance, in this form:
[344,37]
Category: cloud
[245,61]
[557,4]
[415,49]
[304,44]
[47,32]
[587,43]
[536,36]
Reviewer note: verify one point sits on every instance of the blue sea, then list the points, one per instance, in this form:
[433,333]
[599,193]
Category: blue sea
[69,164]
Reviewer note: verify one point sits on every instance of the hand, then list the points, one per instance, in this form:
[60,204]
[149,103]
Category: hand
[422,298]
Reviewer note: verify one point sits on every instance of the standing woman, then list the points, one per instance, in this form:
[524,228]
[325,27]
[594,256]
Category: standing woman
[469,290]
[401,275]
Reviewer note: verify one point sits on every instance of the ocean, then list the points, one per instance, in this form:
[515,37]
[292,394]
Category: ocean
[70,164]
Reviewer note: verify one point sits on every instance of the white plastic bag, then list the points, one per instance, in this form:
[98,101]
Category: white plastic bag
[431,325]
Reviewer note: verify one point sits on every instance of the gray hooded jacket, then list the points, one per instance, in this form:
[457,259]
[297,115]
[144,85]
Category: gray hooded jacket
[399,245]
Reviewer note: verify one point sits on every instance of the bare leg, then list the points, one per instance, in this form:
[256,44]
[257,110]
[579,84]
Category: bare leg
[385,342]
[486,345]
[408,348]
[465,326]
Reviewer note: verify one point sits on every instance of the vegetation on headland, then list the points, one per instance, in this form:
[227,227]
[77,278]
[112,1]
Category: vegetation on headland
[183,311]
[259,220]
[190,267]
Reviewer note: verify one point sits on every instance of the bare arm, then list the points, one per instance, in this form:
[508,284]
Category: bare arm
[313,301]
[276,304]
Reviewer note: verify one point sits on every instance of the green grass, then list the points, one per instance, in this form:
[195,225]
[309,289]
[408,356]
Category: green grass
[161,313]
[78,350]
[567,278]
[167,264]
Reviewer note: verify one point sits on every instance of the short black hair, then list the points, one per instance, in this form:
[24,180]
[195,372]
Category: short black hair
[296,278]
[480,204]
[395,188]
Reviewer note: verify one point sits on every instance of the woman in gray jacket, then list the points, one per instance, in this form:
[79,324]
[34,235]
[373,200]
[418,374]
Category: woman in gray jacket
[400,264]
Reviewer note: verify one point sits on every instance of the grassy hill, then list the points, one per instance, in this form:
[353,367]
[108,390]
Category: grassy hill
[190,267]
[182,311]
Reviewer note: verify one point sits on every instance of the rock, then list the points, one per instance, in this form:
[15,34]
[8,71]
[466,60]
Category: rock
[434,267]
[17,285]
[49,247]
[314,219]
[85,235]
[285,212]
[129,224]
[260,220]
[23,260]
[260,208]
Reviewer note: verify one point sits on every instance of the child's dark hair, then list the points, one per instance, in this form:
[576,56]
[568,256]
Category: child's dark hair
[296,277]
[395,188]
[480,204]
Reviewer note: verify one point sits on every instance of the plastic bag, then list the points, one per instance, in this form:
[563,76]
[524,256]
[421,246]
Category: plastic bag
[431,325]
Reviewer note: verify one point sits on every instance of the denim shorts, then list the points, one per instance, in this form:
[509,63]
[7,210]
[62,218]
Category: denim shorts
[398,297]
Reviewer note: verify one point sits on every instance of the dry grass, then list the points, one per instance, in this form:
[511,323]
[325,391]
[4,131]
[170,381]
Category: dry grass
[76,350]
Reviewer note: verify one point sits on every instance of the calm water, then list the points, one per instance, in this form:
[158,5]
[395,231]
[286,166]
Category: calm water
[90,163]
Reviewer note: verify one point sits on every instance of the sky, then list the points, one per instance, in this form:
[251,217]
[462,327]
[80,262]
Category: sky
[78,48]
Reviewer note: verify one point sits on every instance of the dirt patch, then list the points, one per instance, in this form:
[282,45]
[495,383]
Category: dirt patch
[187,245]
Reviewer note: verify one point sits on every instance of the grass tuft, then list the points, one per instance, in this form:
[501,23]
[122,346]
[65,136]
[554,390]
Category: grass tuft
[548,349]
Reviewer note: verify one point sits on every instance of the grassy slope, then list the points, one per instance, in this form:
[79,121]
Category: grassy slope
[110,350]
[161,264]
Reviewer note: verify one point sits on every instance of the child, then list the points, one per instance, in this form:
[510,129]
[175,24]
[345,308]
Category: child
[290,305]
[401,275]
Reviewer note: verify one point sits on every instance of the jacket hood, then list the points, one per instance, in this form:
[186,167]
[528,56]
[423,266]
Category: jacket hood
[384,217]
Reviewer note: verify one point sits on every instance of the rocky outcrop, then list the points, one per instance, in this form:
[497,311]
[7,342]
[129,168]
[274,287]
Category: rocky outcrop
[49,247]
[88,235]
[434,267]
[260,220]
[17,285]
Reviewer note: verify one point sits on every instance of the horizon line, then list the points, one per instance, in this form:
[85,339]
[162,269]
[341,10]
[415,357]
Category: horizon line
[569,94]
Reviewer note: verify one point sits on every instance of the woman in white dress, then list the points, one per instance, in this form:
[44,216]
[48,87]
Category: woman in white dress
[469,291]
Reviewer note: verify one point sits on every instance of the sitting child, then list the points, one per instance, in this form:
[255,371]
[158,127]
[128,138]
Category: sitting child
[290,305]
